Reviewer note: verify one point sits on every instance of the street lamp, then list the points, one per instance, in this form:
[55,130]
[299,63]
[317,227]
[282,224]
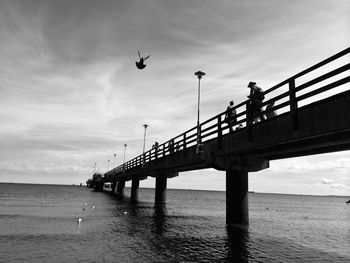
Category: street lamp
[144,143]
[115,155]
[108,166]
[124,157]
[199,149]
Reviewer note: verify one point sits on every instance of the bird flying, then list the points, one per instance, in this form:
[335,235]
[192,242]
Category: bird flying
[140,64]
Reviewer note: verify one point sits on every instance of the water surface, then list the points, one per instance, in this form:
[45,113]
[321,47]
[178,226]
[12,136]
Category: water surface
[38,223]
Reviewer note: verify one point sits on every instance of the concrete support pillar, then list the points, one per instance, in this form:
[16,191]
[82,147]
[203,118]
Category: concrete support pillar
[98,186]
[114,184]
[237,197]
[134,190]
[120,188]
[160,195]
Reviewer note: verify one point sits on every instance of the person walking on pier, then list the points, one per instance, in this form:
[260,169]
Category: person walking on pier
[256,97]
[230,116]
[155,145]
[171,146]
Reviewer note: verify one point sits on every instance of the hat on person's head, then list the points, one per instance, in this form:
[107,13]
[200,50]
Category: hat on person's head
[251,84]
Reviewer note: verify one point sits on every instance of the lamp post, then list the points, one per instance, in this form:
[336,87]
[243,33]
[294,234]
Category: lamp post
[124,157]
[107,165]
[144,143]
[115,155]
[199,149]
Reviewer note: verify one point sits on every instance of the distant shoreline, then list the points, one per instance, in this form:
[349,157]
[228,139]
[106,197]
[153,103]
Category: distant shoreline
[181,189]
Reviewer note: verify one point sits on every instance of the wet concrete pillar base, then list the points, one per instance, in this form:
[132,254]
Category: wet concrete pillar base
[160,195]
[113,187]
[120,188]
[134,190]
[237,197]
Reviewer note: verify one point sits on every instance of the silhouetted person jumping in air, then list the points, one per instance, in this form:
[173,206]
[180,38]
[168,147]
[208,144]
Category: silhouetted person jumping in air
[140,64]
[256,97]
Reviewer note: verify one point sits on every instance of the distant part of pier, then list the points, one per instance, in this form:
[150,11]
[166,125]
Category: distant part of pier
[313,117]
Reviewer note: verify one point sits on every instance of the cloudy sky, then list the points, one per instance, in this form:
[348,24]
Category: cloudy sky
[71,95]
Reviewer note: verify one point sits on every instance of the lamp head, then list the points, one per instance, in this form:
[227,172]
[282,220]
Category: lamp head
[199,74]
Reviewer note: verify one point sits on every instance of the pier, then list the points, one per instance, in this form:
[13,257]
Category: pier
[313,117]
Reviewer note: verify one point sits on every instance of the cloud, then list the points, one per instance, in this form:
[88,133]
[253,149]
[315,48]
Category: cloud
[341,186]
[327,181]
[314,163]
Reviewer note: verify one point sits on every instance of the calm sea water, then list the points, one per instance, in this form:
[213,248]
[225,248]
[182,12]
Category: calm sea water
[38,223]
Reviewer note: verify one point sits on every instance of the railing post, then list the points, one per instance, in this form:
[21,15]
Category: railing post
[143,159]
[293,105]
[184,145]
[249,121]
[199,136]
[199,139]
[156,154]
[219,132]
[172,149]
[171,146]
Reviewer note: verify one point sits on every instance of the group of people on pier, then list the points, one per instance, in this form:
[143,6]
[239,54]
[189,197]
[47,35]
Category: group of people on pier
[255,111]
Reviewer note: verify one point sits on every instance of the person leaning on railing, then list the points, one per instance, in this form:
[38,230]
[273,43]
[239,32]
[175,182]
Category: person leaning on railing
[230,116]
[256,97]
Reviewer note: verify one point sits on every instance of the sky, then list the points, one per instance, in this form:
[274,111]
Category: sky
[71,95]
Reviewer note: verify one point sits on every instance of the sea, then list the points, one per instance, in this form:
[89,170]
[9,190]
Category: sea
[56,223]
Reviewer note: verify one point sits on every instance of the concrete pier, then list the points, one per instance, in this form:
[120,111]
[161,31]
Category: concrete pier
[237,197]
[160,194]
[135,184]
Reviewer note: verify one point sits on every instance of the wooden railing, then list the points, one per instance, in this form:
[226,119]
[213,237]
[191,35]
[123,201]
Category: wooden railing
[290,96]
